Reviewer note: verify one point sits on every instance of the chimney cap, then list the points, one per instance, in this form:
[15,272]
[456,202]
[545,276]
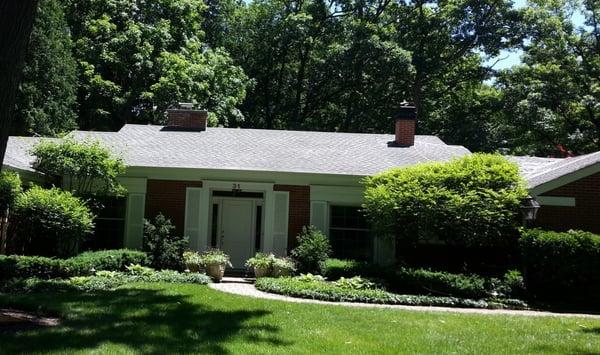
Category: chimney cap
[407,111]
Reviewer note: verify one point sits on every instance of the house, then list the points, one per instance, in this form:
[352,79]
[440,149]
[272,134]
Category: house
[248,190]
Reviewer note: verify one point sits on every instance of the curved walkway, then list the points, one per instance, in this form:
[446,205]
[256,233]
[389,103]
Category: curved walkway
[245,287]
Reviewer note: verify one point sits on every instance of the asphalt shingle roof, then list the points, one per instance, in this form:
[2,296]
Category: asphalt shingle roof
[258,150]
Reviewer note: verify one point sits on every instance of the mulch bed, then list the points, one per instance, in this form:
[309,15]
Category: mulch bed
[13,320]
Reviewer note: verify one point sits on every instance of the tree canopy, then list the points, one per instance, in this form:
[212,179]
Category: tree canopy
[335,65]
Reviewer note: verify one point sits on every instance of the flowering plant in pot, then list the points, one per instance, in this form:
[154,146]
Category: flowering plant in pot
[283,267]
[192,261]
[262,264]
[215,262]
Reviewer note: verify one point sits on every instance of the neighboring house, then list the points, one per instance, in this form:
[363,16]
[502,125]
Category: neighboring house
[248,190]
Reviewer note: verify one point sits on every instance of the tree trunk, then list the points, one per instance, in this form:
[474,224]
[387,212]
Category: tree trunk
[16,22]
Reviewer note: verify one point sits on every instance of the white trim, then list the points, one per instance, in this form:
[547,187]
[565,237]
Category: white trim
[556,201]
[134,227]
[192,225]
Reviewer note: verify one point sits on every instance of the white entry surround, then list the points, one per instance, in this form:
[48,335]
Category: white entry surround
[275,211]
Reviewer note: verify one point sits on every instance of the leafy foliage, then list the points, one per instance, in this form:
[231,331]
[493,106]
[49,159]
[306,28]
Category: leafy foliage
[471,200]
[136,58]
[46,101]
[562,266]
[214,257]
[50,222]
[10,188]
[87,167]
[21,267]
[164,249]
[327,291]
[312,250]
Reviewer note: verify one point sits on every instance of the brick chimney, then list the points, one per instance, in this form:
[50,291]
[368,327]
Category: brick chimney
[185,118]
[405,125]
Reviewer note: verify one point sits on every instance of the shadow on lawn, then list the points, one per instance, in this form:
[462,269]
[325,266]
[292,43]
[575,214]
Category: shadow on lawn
[142,319]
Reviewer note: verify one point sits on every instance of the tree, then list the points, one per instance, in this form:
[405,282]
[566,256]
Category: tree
[47,97]
[469,201]
[552,100]
[87,167]
[133,53]
[16,21]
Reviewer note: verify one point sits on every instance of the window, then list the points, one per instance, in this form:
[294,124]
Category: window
[349,233]
[109,224]
[215,225]
[258,225]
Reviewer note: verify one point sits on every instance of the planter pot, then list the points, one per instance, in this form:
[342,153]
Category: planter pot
[215,271]
[193,267]
[281,272]
[261,272]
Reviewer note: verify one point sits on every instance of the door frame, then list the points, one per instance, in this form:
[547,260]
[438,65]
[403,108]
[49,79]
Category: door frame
[218,200]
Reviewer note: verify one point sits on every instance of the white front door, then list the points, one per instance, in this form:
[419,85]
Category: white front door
[237,230]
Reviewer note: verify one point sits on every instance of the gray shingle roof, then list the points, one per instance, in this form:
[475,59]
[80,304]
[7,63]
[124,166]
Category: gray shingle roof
[538,171]
[263,150]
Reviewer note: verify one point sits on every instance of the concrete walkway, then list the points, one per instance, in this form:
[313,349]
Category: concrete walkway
[245,287]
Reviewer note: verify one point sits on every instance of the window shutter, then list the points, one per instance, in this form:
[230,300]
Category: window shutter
[319,216]
[134,231]
[193,195]
[280,224]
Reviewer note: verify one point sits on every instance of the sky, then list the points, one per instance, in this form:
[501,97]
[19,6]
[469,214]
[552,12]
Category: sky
[507,59]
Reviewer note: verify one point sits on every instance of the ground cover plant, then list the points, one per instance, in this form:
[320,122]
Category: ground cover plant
[360,290]
[184,318]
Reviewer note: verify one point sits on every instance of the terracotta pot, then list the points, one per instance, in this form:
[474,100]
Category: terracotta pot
[215,271]
[261,271]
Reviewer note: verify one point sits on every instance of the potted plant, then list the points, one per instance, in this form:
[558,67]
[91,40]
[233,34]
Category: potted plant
[262,264]
[192,260]
[283,267]
[215,262]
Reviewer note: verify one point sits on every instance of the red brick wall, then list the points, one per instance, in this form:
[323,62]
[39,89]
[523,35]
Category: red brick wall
[168,197]
[586,213]
[299,210]
[405,132]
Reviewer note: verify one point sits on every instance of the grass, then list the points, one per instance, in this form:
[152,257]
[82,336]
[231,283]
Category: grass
[180,318]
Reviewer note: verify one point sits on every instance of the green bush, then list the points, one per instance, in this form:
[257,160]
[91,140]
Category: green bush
[312,250]
[327,291]
[21,267]
[334,269]
[561,266]
[422,281]
[101,281]
[472,201]
[10,188]
[50,222]
[164,249]
[112,260]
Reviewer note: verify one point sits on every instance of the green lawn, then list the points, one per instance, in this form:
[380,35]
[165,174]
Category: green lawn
[173,318]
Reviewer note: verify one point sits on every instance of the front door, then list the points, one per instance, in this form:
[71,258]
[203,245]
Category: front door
[237,232]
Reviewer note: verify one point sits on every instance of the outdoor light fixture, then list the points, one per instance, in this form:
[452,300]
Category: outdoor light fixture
[529,209]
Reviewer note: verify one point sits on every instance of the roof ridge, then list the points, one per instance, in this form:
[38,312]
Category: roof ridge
[565,162]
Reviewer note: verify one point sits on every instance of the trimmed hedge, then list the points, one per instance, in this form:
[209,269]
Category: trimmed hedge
[326,291]
[562,266]
[17,266]
[112,260]
[412,281]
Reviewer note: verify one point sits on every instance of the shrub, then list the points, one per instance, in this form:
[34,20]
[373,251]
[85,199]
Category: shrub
[261,260]
[334,269]
[312,250]
[327,291]
[112,260]
[422,281]
[17,266]
[88,167]
[192,261]
[50,222]
[470,201]
[283,267]
[10,188]
[164,249]
[21,267]
[561,266]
